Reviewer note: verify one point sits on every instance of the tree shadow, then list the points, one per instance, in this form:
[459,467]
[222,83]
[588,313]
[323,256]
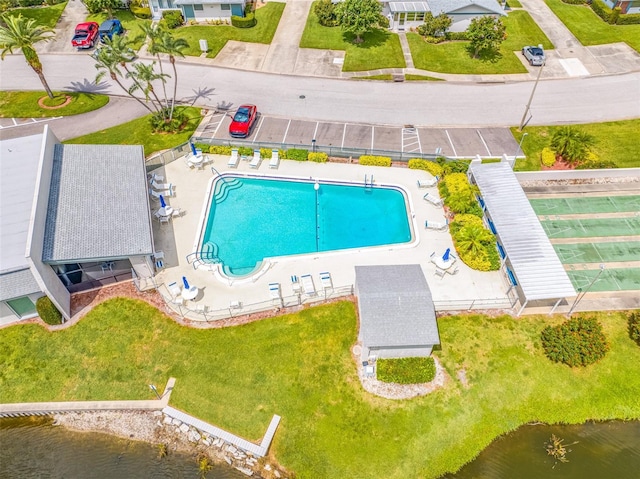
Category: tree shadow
[371,39]
[89,87]
[485,56]
[201,93]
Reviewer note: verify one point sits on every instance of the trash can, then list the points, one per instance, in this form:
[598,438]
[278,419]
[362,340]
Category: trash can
[204,46]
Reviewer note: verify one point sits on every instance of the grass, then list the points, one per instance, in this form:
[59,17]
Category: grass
[514,4]
[616,141]
[217,36]
[132,25]
[380,49]
[456,57]
[590,29]
[300,367]
[47,16]
[389,77]
[421,78]
[24,104]
[138,132]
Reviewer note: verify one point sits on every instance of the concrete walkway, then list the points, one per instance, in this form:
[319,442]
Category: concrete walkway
[75,12]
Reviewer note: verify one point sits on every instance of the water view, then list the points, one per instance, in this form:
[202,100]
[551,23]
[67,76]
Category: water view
[31,447]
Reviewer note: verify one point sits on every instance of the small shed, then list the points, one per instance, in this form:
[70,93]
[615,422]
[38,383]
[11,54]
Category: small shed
[397,315]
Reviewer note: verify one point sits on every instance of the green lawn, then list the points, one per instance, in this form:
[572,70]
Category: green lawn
[300,367]
[616,141]
[24,104]
[590,29]
[132,24]
[48,16]
[380,49]
[138,132]
[455,57]
[217,36]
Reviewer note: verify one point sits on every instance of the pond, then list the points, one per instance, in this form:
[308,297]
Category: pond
[595,451]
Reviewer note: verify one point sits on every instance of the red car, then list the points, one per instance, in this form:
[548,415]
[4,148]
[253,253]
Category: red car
[243,120]
[86,35]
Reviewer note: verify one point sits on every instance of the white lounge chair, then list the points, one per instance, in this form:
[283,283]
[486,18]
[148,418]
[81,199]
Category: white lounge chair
[177,212]
[255,161]
[274,290]
[325,279]
[175,290]
[435,225]
[428,183]
[155,177]
[307,285]
[161,186]
[295,284]
[433,199]
[156,195]
[234,159]
[275,159]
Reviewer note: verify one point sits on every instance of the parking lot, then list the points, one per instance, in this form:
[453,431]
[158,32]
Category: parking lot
[451,142]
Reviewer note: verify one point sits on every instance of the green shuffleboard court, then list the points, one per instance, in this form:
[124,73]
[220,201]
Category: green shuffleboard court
[585,204]
[598,252]
[615,279]
[590,227]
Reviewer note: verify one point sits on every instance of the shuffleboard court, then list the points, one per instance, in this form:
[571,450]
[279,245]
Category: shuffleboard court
[598,252]
[590,227]
[614,279]
[584,204]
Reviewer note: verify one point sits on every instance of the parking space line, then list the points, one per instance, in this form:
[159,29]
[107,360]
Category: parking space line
[344,133]
[451,143]
[15,123]
[286,131]
[410,137]
[222,116]
[484,142]
[258,130]
[373,134]
[316,130]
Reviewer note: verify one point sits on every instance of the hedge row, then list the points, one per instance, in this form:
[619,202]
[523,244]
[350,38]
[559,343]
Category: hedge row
[406,370]
[248,21]
[612,16]
[634,326]
[369,160]
[427,165]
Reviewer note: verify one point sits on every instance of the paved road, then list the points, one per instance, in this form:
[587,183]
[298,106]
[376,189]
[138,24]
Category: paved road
[598,98]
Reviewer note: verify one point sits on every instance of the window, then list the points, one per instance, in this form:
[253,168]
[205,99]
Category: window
[22,306]
[225,6]
[198,7]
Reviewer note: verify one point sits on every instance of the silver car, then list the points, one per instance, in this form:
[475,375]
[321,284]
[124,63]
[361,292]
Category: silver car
[534,55]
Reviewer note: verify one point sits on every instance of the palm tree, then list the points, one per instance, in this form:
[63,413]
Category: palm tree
[143,76]
[155,33]
[23,33]
[472,238]
[173,47]
[571,143]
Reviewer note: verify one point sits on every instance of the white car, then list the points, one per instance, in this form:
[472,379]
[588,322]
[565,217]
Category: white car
[534,55]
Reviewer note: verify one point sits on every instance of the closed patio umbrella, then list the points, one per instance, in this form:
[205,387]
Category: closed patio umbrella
[193,149]
[162,203]
[185,282]
[445,256]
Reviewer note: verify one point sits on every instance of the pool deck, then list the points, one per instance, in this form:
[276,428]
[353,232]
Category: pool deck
[178,238]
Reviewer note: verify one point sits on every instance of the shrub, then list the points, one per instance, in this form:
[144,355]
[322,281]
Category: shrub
[602,10]
[615,15]
[383,22]
[427,165]
[634,326]
[370,160]
[577,342]
[245,151]
[297,154]
[459,195]
[266,152]
[172,18]
[475,245]
[575,2]
[593,162]
[434,25]
[48,311]
[571,143]
[30,3]
[318,157]
[455,166]
[406,370]
[139,10]
[629,19]
[325,10]
[248,21]
[548,157]
[435,40]
[220,149]
[451,36]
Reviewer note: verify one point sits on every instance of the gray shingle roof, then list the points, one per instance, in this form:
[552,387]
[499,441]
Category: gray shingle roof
[19,160]
[451,6]
[536,265]
[17,283]
[396,307]
[98,204]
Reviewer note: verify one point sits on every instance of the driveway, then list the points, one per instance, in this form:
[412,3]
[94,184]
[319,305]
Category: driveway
[74,13]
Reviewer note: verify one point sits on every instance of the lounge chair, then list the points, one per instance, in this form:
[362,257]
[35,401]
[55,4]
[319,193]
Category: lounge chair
[433,199]
[164,220]
[435,225]
[325,280]
[307,285]
[161,186]
[428,183]
[177,212]
[274,290]
[275,159]
[156,195]
[295,284]
[155,177]
[175,290]
[234,159]
[255,161]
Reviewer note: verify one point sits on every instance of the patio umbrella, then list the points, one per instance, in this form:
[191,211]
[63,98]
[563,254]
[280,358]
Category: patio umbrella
[445,256]
[185,282]
[162,203]
[193,149]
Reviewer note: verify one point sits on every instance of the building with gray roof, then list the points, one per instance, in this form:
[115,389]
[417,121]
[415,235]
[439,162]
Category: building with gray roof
[397,315]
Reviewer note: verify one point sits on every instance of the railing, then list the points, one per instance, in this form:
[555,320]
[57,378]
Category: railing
[471,304]
[166,157]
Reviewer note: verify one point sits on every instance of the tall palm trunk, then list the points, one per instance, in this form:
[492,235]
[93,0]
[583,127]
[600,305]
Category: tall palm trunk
[34,62]
[134,78]
[172,59]
[115,78]
[164,87]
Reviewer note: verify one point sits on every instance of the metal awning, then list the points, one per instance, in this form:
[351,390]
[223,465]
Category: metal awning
[408,7]
[537,268]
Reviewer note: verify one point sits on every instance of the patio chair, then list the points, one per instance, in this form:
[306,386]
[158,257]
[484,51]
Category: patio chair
[452,270]
[275,159]
[434,200]
[440,272]
[194,160]
[307,285]
[177,212]
[161,186]
[295,284]
[175,290]
[234,159]
[428,183]
[255,161]
[107,266]
[164,220]
[325,280]
[274,290]
[435,225]
[155,195]
[155,177]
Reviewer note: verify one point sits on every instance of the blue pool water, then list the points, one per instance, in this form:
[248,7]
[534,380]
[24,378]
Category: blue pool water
[251,219]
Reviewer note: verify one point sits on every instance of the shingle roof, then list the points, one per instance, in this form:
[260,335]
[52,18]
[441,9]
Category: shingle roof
[19,160]
[17,283]
[396,307]
[450,6]
[536,265]
[98,204]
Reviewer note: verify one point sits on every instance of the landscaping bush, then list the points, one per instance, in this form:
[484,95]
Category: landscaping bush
[318,157]
[458,194]
[593,162]
[297,154]
[406,370]
[451,36]
[172,18]
[634,326]
[220,150]
[266,152]
[48,311]
[245,151]
[325,10]
[427,165]
[138,10]
[574,2]
[602,10]
[248,21]
[629,19]
[577,342]
[475,245]
[30,3]
[548,157]
[370,160]
[455,166]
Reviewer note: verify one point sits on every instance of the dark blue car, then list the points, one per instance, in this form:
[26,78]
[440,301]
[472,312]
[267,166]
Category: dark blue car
[109,28]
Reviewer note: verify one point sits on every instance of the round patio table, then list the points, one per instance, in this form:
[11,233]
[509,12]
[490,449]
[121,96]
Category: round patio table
[190,294]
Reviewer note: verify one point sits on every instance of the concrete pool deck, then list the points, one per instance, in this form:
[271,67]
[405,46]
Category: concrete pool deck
[178,239]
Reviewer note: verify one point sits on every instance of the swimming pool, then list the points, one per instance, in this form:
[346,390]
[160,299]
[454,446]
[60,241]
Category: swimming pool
[250,219]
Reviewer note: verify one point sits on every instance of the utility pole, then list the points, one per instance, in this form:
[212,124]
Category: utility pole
[586,290]
[526,110]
